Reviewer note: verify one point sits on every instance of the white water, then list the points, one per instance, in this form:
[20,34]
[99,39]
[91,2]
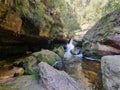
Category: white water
[70,46]
[68,55]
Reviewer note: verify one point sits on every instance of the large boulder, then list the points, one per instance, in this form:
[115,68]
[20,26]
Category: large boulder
[104,37]
[110,66]
[47,56]
[56,80]
[30,63]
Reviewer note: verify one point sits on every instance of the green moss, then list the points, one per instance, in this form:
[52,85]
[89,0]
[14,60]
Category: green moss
[4,87]
[30,65]
[59,51]
[27,82]
[47,56]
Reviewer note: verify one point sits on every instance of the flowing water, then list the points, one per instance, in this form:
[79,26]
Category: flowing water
[85,70]
[69,48]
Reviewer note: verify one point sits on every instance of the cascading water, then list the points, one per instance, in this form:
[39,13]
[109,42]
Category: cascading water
[70,55]
[69,47]
[77,52]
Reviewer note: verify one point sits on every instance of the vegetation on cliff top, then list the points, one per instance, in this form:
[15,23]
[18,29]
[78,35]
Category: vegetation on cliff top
[75,13]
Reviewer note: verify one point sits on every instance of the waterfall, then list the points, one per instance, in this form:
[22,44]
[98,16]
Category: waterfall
[69,47]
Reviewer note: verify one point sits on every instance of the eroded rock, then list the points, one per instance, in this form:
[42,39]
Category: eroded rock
[104,37]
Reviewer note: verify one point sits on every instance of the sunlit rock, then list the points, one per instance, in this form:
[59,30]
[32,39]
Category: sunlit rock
[110,66]
[104,37]
[56,80]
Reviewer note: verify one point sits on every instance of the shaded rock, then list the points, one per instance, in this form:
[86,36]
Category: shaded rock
[56,80]
[22,83]
[77,41]
[3,11]
[58,65]
[21,35]
[110,66]
[103,38]
[13,45]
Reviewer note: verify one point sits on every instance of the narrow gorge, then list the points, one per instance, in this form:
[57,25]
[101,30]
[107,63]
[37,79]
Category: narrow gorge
[59,45]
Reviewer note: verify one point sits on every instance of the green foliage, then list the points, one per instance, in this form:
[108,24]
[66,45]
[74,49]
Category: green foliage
[35,11]
[111,6]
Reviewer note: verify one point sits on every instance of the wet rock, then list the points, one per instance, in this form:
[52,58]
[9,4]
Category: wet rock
[76,51]
[56,80]
[103,38]
[58,65]
[110,66]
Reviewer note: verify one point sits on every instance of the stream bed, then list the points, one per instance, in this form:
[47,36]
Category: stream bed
[85,70]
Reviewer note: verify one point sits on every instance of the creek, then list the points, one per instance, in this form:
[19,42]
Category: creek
[85,70]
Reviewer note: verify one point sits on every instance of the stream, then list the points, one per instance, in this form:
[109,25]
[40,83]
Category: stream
[85,70]
[77,52]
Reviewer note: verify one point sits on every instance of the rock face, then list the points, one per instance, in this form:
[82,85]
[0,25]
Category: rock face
[110,66]
[19,34]
[56,80]
[104,37]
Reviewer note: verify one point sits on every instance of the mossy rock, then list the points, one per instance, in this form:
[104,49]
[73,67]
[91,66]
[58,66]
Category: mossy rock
[47,56]
[30,65]
[60,51]
[3,87]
